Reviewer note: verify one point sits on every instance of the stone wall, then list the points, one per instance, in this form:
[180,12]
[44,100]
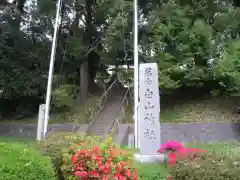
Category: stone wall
[29,131]
[190,132]
[181,132]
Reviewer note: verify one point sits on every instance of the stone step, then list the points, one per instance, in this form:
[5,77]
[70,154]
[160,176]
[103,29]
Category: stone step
[103,122]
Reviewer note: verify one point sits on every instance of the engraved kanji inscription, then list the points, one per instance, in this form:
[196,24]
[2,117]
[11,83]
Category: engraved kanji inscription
[148,72]
[149,134]
[148,93]
[148,81]
[150,118]
[149,105]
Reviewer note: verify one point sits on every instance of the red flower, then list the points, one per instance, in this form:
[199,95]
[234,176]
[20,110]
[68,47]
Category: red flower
[94,173]
[106,169]
[99,163]
[120,174]
[105,166]
[172,156]
[75,159]
[79,167]
[82,174]
[127,172]
[98,158]
[109,160]
[83,152]
[105,177]
[120,177]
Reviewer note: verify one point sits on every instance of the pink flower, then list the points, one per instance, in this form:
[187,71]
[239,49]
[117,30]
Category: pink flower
[173,145]
[177,151]
[184,153]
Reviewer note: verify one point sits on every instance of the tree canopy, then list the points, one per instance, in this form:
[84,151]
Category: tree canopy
[195,43]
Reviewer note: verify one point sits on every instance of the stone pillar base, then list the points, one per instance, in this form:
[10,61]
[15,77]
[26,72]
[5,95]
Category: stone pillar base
[160,158]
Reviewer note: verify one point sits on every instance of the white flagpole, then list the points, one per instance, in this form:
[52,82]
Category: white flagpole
[136,74]
[51,67]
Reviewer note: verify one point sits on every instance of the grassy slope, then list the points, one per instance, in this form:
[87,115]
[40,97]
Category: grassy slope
[78,114]
[185,111]
[203,110]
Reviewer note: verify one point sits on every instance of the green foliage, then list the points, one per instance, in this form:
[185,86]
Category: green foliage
[194,43]
[64,96]
[19,161]
[211,166]
[228,68]
[184,40]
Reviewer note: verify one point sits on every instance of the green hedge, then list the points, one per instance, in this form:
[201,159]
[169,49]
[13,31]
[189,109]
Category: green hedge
[21,162]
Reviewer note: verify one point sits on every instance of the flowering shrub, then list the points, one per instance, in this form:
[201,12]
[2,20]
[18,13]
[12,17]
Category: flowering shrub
[104,162]
[186,154]
[176,151]
[55,144]
[205,167]
[194,164]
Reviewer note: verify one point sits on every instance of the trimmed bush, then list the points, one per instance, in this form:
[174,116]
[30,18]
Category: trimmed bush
[205,167]
[56,144]
[21,162]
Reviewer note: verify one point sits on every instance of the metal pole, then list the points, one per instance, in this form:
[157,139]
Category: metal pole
[136,73]
[51,67]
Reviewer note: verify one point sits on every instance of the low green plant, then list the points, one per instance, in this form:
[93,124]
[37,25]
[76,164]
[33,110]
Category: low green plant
[151,171]
[206,167]
[21,162]
[55,145]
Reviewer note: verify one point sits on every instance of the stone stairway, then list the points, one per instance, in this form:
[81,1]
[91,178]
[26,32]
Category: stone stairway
[104,120]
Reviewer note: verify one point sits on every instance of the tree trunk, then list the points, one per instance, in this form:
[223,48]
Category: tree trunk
[84,67]
[84,82]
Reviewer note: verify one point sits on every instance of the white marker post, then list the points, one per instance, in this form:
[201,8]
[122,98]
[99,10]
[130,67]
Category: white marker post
[40,122]
[149,115]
